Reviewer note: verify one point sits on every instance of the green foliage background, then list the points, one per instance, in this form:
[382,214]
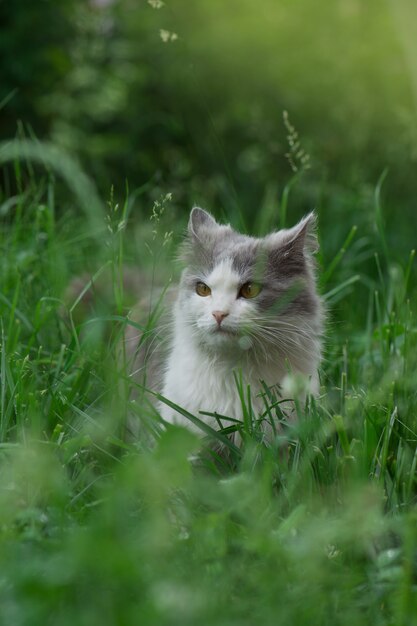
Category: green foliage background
[107,108]
[202,115]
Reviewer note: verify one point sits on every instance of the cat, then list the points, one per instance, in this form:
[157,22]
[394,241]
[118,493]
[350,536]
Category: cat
[246,309]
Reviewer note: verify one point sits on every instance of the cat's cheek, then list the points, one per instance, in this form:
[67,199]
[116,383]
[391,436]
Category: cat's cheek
[200,305]
[245,309]
[201,313]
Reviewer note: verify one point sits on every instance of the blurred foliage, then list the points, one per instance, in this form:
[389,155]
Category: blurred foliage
[35,46]
[190,97]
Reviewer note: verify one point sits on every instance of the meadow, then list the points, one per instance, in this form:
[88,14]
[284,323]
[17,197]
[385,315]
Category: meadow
[97,528]
[139,111]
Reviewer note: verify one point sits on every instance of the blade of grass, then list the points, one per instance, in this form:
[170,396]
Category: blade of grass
[330,296]
[339,256]
[213,434]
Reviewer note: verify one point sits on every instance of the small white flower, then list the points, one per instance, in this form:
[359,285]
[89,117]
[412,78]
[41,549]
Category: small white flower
[167,36]
[331,551]
[245,342]
[295,385]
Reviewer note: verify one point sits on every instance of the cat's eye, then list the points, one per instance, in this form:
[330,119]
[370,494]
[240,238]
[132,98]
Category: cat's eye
[250,290]
[202,289]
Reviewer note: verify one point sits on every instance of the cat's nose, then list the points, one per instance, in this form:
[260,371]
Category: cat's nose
[219,316]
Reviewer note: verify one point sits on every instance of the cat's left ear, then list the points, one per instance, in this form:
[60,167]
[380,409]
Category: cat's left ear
[291,247]
[200,220]
[303,236]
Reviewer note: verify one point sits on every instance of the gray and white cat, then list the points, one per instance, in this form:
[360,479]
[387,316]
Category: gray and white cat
[244,305]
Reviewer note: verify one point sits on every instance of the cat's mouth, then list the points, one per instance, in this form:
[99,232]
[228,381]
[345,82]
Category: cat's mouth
[224,331]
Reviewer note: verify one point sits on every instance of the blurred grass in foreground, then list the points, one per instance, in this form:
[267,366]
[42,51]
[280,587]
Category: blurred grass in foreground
[94,529]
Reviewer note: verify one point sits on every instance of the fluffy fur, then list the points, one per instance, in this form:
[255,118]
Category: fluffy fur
[215,336]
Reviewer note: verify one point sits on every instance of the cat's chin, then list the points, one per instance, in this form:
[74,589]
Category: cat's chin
[227,339]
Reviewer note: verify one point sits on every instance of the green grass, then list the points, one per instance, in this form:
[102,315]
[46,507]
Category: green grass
[99,529]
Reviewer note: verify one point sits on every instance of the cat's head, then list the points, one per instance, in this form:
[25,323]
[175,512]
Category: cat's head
[247,292]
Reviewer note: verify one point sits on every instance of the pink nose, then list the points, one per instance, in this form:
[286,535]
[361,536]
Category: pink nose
[219,316]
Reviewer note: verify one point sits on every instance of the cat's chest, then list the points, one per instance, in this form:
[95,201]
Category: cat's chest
[200,383]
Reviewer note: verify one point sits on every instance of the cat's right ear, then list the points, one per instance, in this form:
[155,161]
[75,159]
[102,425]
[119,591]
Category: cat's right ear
[200,219]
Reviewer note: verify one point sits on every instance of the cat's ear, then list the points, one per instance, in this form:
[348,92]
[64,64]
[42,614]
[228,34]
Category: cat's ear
[303,236]
[290,249]
[300,240]
[200,219]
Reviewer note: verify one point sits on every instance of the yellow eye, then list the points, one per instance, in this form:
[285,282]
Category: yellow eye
[250,290]
[202,289]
